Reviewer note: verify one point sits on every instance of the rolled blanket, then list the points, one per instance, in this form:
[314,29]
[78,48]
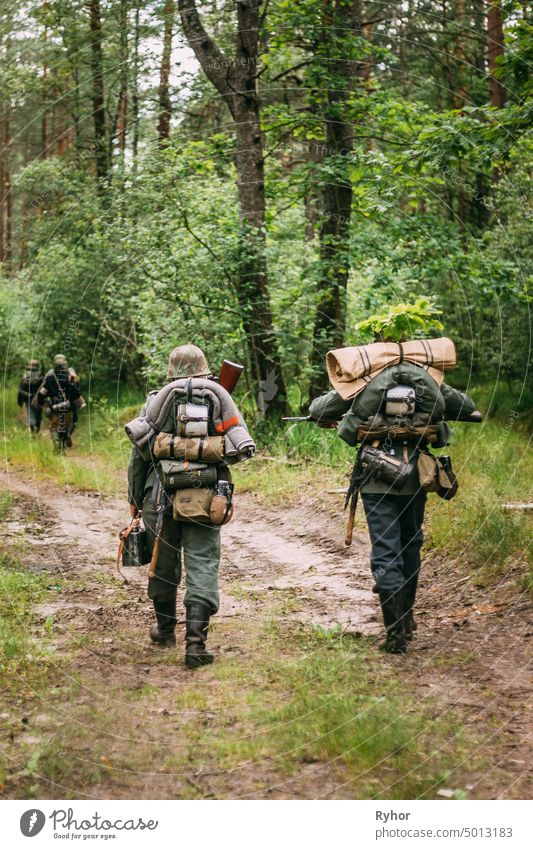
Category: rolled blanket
[139,432]
[350,369]
[238,443]
[226,416]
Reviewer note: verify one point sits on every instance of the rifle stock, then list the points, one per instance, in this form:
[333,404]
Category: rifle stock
[229,375]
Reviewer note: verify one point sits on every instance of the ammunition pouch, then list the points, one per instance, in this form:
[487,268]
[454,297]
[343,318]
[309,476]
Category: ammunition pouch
[60,422]
[436,475]
[206,506]
[415,428]
[205,449]
[400,401]
[384,466]
[182,474]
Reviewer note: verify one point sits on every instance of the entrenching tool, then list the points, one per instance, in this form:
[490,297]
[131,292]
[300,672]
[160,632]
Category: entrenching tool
[160,509]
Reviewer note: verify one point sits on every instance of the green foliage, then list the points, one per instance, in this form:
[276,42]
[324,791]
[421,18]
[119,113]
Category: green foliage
[494,469]
[404,321]
[440,180]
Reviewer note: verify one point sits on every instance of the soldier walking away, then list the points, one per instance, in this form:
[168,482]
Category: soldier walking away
[27,391]
[79,405]
[59,394]
[178,479]
[395,413]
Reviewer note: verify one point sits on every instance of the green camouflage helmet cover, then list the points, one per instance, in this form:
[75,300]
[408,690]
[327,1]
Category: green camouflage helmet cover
[187,361]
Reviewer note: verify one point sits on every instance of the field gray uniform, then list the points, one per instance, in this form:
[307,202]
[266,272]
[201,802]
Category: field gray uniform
[28,388]
[195,546]
[394,516]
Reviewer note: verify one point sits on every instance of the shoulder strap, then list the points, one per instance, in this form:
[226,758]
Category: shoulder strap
[62,392]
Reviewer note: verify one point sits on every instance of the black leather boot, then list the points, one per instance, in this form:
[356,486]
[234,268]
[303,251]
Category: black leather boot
[162,633]
[408,601]
[392,609]
[196,625]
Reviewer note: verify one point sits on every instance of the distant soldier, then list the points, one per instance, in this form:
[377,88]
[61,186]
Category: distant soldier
[80,403]
[28,388]
[183,487]
[59,394]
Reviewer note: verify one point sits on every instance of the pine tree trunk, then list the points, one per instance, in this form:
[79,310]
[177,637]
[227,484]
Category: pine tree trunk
[2,190]
[99,118]
[44,117]
[236,81]
[122,110]
[495,51]
[165,106]
[5,189]
[135,84]
[330,318]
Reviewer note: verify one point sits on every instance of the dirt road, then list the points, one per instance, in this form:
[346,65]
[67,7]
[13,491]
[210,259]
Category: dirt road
[471,657]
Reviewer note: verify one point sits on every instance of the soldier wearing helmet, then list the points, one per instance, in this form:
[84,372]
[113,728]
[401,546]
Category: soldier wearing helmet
[59,394]
[194,544]
[187,361]
[28,388]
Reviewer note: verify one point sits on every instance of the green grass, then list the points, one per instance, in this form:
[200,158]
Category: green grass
[97,462]
[6,503]
[19,591]
[494,468]
[271,715]
[329,703]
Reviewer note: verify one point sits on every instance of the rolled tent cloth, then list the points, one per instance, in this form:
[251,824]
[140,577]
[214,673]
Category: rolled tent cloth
[351,369]
[228,421]
[238,444]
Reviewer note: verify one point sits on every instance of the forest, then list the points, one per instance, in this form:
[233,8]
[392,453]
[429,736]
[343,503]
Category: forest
[259,178]
[282,169]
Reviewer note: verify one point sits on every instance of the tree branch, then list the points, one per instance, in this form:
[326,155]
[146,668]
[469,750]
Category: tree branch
[215,64]
[105,324]
[301,64]
[181,301]
[206,246]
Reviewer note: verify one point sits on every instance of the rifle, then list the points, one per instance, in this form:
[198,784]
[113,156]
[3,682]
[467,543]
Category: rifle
[475,417]
[309,419]
[229,375]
